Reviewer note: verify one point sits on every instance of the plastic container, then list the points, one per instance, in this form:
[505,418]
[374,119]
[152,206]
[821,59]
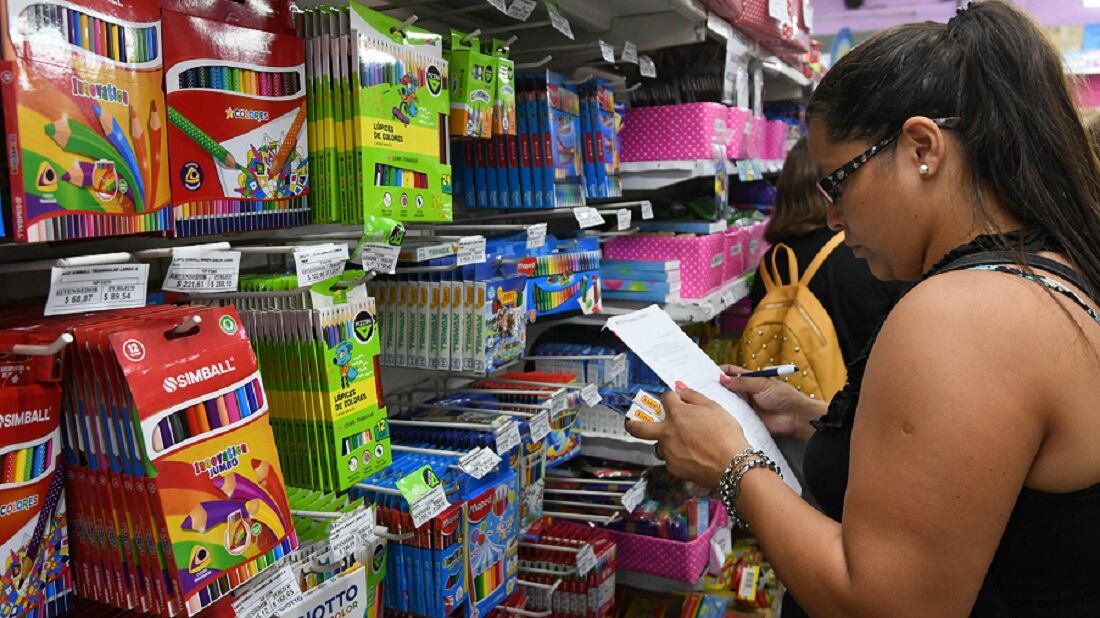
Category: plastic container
[665,558]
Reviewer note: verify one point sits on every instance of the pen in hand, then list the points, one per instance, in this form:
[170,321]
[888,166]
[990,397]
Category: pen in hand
[770,372]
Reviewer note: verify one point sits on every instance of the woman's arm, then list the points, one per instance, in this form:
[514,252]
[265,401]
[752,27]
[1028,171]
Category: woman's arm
[945,436]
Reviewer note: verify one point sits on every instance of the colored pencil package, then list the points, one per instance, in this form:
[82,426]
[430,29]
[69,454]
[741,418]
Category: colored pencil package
[473,85]
[84,116]
[237,131]
[492,528]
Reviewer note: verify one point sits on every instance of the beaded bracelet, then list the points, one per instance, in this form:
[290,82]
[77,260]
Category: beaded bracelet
[729,487]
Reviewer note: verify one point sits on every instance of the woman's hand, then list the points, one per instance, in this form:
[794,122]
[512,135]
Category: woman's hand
[697,439]
[785,411]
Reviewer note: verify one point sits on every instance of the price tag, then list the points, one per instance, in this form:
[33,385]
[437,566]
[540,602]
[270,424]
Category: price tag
[558,19]
[351,532]
[507,437]
[586,560]
[634,496]
[622,219]
[721,545]
[499,5]
[728,298]
[630,52]
[591,395]
[588,217]
[478,462]
[379,257]
[539,424]
[275,596]
[536,236]
[424,493]
[607,50]
[471,250]
[521,9]
[96,288]
[197,270]
[617,368]
[319,262]
[646,66]
[647,210]
[558,403]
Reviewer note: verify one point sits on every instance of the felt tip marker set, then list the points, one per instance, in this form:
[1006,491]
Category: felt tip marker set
[566,277]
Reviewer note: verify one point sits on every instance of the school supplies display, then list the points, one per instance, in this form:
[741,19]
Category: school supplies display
[237,113]
[599,126]
[566,278]
[563,405]
[552,555]
[84,117]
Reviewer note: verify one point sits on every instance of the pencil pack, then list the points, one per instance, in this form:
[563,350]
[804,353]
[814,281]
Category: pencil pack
[85,119]
[563,441]
[473,80]
[237,130]
[601,152]
[553,119]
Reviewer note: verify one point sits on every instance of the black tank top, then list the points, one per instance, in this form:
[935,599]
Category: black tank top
[1048,560]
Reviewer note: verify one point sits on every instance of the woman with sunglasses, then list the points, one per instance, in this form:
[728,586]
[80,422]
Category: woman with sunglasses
[958,471]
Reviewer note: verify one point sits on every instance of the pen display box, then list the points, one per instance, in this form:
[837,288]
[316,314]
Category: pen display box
[672,132]
[84,119]
[738,119]
[702,258]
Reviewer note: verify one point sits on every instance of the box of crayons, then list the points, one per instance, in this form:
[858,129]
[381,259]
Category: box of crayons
[35,579]
[172,430]
[84,118]
[237,132]
[566,277]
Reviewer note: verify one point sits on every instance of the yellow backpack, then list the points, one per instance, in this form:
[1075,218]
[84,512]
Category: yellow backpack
[790,326]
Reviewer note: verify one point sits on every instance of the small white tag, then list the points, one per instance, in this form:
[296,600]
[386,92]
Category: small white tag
[634,496]
[471,250]
[536,236]
[721,546]
[586,560]
[521,9]
[588,217]
[429,505]
[647,210]
[607,50]
[622,220]
[591,395]
[777,10]
[351,532]
[539,424]
[196,270]
[630,52]
[499,5]
[96,288]
[558,403]
[507,437]
[646,66]
[380,257]
[478,462]
[728,298]
[275,596]
[319,262]
[558,19]
[617,368]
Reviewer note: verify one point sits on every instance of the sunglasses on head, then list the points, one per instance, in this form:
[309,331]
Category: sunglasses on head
[830,185]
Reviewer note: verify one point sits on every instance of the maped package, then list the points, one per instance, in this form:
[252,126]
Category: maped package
[84,117]
[492,530]
[237,134]
[553,118]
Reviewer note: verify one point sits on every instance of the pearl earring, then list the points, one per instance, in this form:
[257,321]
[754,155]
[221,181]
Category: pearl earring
[923,169]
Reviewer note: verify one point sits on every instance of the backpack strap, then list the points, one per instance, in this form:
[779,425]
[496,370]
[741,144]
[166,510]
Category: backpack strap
[819,259]
[774,278]
[1008,258]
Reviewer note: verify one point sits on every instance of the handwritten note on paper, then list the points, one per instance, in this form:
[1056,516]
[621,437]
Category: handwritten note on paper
[660,343]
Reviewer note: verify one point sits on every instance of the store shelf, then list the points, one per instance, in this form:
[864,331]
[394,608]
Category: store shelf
[785,80]
[619,448]
[654,175]
[684,311]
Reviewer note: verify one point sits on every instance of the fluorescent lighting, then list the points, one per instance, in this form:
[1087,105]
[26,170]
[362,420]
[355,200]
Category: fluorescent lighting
[1091,4]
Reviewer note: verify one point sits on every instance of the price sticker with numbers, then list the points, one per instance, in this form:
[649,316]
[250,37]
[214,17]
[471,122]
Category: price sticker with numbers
[499,5]
[194,269]
[586,560]
[276,595]
[536,236]
[424,492]
[315,263]
[588,217]
[630,52]
[622,219]
[521,9]
[96,288]
[471,250]
[539,425]
[607,52]
[646,66]
[351,532]
[634,496]
[558,19]
[507,435]
[379,257]
[647,210]
[590,394]
[479,462]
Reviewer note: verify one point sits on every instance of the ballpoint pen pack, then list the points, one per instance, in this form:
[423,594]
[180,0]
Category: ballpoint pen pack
[85,119]
[237,134]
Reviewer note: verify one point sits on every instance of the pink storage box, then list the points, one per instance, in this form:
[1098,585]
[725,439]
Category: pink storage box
[756,139]
[775,140]
[737,148]
[702,258]
[758,25]
[757,246]
[665,558]
[736,250]
[671,132]
[728,10]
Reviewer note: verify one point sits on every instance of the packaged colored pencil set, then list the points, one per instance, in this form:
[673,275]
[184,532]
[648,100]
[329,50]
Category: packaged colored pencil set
[35,576]
[322,371]
[566,277]
[599,125]
[84,117]
[473,80]
[592,364]
[563,442]
[177,491]
[237,135]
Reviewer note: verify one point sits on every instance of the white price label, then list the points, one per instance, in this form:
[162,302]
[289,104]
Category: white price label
[521,9]
[607,51]
[588,217]
[275,596]
[379,257]
[586,560]
[634,496]
[558,403]
[630,52]
[558,19]
[536,236]
[622,219]
[471,250]
[617,368]
[539,424]
[591,395]
[197,270]
[646,66]
[96,288]
[319,262]
[647,210]
[429,505]
[499,5]
[507,437]
[479,462]
[351,532]
[777,10]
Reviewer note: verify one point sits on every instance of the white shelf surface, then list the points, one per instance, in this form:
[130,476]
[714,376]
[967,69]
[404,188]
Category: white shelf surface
[654,175]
